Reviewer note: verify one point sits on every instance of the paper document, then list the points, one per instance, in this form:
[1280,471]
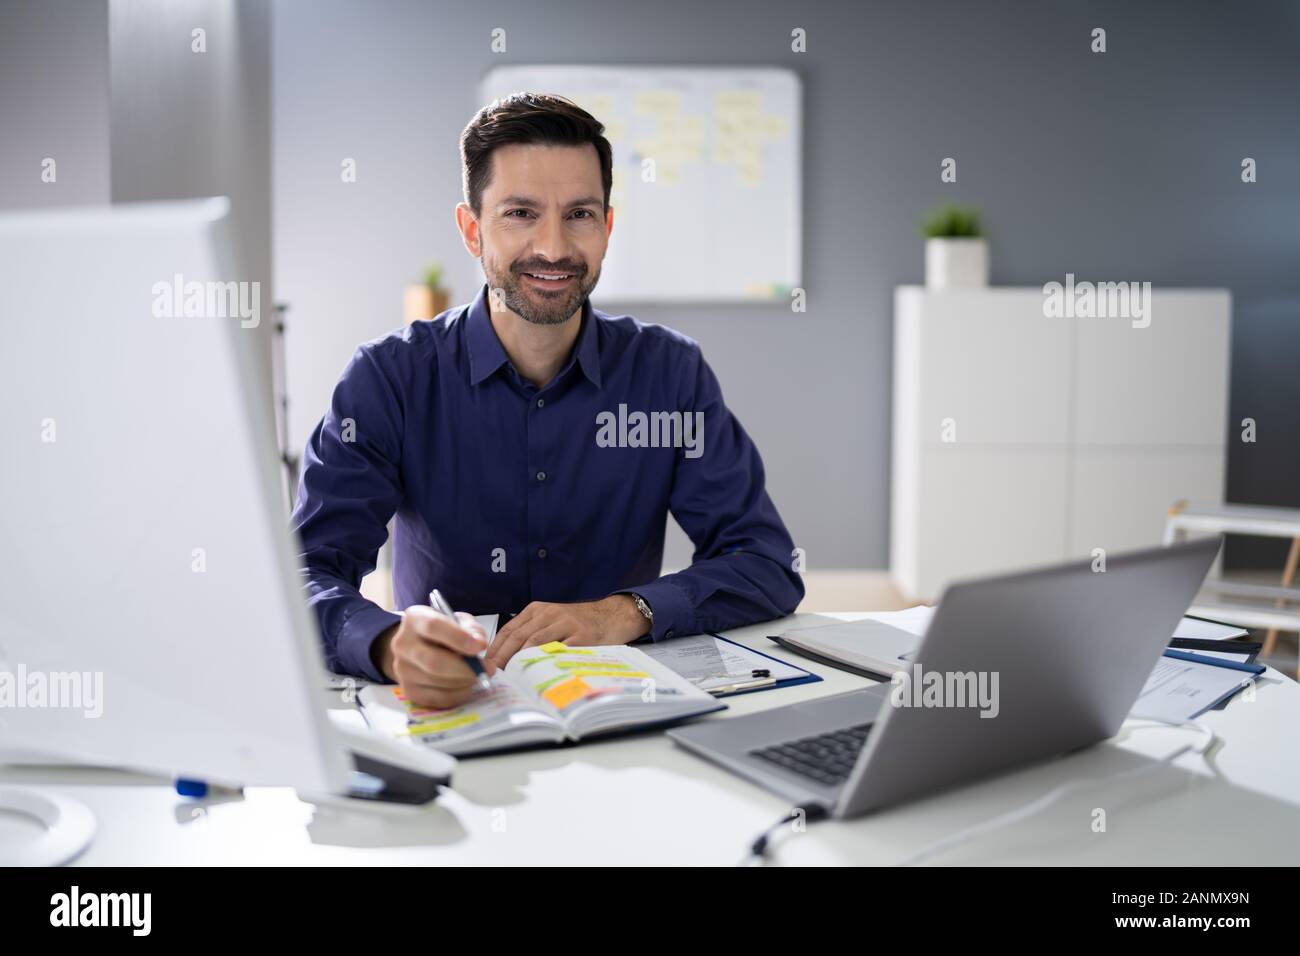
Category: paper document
[1180,690]
[1207,630]
[709,662]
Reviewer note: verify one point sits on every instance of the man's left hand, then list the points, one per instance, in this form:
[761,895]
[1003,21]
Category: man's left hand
[612,620]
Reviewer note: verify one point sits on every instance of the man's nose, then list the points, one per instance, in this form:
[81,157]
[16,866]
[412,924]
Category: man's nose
[548,241]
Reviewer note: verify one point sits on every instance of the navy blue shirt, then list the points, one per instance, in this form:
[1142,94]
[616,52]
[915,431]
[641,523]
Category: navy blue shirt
[505,493]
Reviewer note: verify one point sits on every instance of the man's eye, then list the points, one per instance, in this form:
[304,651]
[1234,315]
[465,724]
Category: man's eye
[522,212]
[585,213]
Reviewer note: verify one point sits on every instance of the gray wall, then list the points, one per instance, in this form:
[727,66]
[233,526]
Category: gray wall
[54,102]
[113,92]
[188,124]
[1116,166]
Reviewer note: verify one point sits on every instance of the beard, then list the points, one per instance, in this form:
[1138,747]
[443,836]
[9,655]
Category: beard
[537,306]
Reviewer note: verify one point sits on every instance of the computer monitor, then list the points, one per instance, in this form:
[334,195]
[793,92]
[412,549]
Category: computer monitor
[151,610]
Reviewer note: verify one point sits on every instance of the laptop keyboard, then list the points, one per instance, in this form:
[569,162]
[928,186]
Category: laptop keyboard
[826,758]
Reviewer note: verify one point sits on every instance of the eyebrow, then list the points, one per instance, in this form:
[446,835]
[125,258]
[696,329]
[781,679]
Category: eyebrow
[528,203]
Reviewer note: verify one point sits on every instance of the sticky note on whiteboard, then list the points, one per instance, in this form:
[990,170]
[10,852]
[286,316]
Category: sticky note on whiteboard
[727,145]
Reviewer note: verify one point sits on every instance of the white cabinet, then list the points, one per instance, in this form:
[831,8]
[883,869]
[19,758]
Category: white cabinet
[1020,439]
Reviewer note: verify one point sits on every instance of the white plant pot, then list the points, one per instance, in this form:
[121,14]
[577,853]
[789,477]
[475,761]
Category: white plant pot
[956,263]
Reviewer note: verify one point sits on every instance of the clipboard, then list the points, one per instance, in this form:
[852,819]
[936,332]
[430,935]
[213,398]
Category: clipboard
[1247,668]
[807,677]
[743,683]
[1231,645]
[1191,645]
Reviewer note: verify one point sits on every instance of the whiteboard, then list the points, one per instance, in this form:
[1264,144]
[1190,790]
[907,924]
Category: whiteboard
[716,217]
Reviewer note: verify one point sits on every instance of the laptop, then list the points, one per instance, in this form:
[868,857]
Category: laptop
[1013,669]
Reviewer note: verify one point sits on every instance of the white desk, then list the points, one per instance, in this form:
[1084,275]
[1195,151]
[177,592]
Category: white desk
[642,800]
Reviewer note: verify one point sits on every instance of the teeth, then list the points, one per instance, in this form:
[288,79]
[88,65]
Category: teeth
[552,277]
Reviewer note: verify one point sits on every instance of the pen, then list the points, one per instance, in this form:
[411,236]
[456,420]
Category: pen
[743,685]
[200,789]
[475,662]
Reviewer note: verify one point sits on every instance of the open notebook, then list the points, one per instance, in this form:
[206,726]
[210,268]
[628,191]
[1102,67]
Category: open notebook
[546,695]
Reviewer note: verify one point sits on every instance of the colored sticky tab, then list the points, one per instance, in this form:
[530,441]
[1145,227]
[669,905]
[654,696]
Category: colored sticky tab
[598,672]
[562,695]
[559,647]
[599,662]
[438,726]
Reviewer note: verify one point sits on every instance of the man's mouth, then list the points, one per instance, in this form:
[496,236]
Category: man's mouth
[549,280]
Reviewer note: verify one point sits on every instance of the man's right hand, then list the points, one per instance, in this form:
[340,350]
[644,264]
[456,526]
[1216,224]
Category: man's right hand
[425,654]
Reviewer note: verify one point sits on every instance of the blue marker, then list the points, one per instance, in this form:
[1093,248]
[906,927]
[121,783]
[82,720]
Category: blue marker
[198,789]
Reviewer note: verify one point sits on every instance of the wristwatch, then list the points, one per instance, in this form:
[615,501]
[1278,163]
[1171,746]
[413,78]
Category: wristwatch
[644,608]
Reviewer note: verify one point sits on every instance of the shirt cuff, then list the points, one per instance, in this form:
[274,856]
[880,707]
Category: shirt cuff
[674,615]
[356,637]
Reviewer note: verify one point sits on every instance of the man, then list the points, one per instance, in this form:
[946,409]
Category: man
[532,447]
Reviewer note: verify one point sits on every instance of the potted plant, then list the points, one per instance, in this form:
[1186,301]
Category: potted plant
[956,252]
[427,299]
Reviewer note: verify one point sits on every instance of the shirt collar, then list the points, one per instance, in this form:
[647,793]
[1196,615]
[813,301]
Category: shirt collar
[486,354]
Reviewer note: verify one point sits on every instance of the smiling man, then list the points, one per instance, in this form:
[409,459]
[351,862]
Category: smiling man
[486,432]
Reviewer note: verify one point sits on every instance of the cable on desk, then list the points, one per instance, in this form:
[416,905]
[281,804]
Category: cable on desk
[758,849]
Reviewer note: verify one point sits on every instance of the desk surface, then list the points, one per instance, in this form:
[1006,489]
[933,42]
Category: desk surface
[642,800]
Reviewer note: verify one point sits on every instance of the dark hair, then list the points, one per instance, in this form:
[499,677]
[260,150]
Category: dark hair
[528,118]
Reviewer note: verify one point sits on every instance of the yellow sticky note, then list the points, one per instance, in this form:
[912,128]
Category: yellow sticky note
[565,693]
[560,648]
[737,101]
[657,102]
[773,125]
[615,130]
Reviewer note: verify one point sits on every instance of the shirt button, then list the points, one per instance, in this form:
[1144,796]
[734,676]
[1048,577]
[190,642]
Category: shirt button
[541,403]
[541,552]
[541,476]
[668,633]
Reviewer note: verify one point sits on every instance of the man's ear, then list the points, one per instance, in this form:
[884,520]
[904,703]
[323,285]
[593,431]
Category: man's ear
[467,223]
[609,221]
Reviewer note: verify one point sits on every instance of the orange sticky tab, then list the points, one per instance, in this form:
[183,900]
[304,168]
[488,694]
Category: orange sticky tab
[566,692]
